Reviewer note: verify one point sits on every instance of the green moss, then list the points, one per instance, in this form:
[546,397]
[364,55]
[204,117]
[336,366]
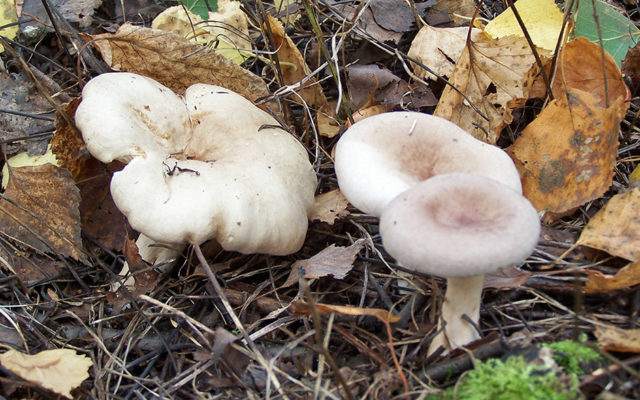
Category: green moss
[512,379]
[572,356]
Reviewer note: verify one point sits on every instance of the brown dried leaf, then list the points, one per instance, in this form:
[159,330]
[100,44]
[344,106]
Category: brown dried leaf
[506,278]
[616,227]
[439,49]
[145,277]
[174,61]
[567,154]
[580,67]
[51,222]
[600,283]
[59,370]
[490,72]
[334,260]
[615,339]
[300,307]
[295,70]
[329,206]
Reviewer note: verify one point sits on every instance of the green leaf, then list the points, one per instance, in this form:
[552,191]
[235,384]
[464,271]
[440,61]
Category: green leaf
[200,7]
[618,32]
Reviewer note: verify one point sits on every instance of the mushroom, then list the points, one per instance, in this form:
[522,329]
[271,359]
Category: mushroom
[207,165]
[459,226]
[382,156]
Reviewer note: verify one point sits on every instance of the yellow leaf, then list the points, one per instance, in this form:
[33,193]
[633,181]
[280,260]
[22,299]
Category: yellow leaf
[616,228]
[625,278]
[542,18]
[8,16]
[226,31]
[25,160]
[59,370]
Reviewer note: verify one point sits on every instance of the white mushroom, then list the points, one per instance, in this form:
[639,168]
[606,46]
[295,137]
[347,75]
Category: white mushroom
[384,155]
[208,165]
[459,226]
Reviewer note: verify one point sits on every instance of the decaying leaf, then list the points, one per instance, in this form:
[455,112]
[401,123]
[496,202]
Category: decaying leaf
[439,49]
[329,206]
[294,69]
[367,23]
[627,277]
[101,219]
[300,307]
[616,227]
[174,61]
[490,73]
[506,278]
[226,31]
[567,154]
[59,370]
[580,67]
[40,209]
[616,339]
[334,260]
[145,278]
[8,16]
[542,18]
[396,15]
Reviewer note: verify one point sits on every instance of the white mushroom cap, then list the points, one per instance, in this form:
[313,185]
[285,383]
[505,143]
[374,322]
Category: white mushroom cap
[211,166]
[384,155]
[457,225]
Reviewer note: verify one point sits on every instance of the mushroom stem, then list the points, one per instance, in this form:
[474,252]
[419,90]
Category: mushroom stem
[462,297]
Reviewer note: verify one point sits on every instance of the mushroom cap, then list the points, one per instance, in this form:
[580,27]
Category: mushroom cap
[210,166]
[381,156]
[456,225]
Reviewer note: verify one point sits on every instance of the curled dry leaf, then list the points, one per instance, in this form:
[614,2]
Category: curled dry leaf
[174,61]
[59,370]
[580,67]
[567,154]
[616,227]
[334,260]
[511,277]
[329,206]
[40,209]
[616,339]
[490,73]
[625,278]
[300,307]
[439,49]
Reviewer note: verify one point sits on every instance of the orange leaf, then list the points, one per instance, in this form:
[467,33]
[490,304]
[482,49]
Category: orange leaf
[567,154]
[616,339]
[600,283]
[616,227]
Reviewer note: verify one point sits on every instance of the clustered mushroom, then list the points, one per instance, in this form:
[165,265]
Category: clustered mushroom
[449,205]
[205,165]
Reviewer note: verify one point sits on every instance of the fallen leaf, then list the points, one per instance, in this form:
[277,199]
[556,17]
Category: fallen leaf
[8,16]
[25,160]
[580,67]
[329,206]
[300,307]
[333,260]
[506,278]
[616,339]
[294,69]
[366,22]
[145,278]
[627,277]
[490,73]
[225,31]
[542,19]
[77,11]
[631,67]
[174,61]
[567,154]
[616,227]
[396,15]
[364,80]
[59,370]
[40,209]
[458,11]
[439,49]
